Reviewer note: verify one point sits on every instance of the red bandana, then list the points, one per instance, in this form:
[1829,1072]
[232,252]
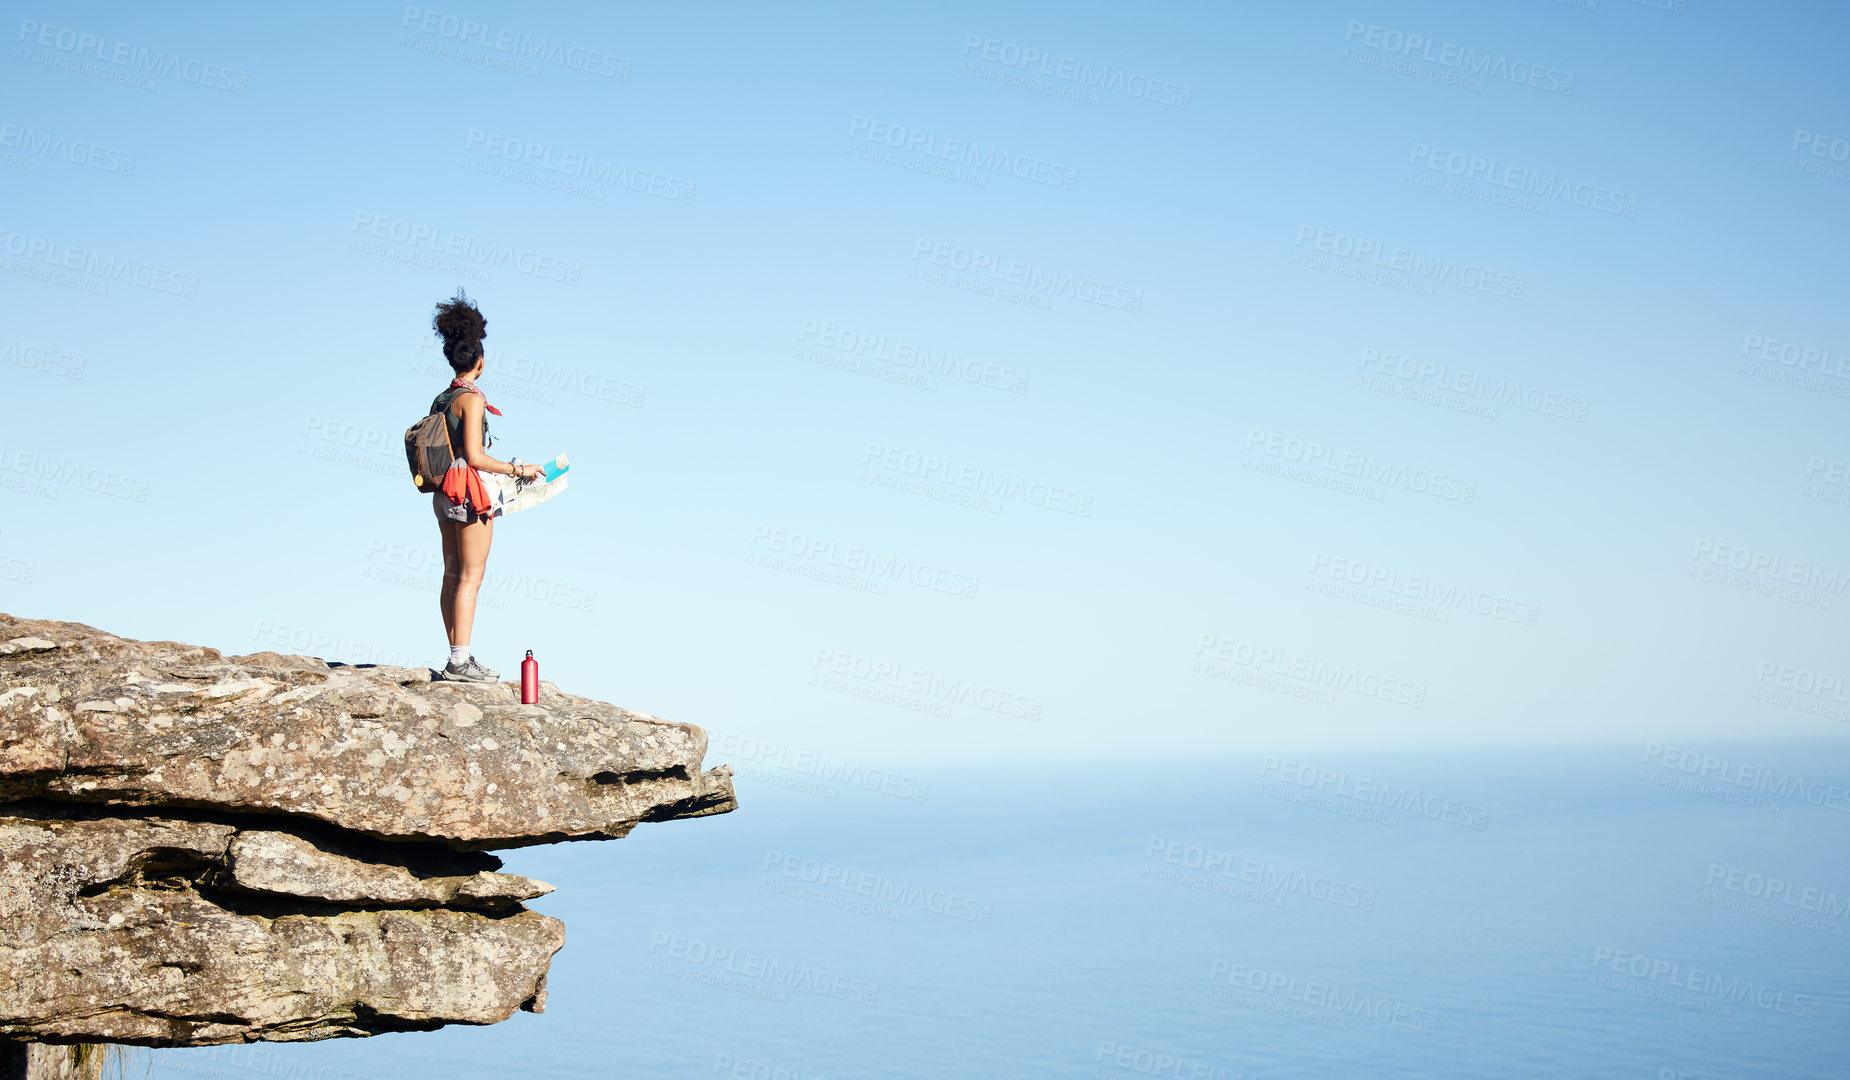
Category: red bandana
[471,387]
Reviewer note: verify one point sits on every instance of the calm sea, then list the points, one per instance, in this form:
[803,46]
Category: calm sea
[1643,911]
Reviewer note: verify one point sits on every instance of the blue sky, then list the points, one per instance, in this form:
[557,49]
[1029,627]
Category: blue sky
[1576,476]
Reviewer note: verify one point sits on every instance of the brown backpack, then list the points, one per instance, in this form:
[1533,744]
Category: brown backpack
[428,451]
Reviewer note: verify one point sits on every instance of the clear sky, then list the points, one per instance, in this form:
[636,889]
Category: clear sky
[945,383]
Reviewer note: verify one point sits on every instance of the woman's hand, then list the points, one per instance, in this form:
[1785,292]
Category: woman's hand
[531,472]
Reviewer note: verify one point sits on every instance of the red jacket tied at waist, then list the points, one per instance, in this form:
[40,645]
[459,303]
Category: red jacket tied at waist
[463,484]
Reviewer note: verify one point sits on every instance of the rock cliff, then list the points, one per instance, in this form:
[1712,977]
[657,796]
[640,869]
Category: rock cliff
[199,849]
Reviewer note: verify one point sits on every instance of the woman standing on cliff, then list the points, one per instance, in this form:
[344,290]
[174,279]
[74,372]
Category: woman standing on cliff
[462,507]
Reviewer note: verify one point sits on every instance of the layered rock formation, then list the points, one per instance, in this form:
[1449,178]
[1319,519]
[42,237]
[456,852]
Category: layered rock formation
[199,849]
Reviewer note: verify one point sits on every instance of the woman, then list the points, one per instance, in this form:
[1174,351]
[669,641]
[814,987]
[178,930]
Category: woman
[467,531]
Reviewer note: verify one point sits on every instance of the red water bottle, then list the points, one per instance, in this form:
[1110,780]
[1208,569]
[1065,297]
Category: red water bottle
[529,680]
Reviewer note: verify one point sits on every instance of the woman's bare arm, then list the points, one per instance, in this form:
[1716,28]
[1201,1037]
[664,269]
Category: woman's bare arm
[471,410]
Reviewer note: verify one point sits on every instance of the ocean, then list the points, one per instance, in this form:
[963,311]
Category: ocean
[1650,911]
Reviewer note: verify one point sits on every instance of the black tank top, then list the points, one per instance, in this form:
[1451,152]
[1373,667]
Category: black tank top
[455,422]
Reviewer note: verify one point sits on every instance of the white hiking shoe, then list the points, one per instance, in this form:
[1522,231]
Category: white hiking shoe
[469,671]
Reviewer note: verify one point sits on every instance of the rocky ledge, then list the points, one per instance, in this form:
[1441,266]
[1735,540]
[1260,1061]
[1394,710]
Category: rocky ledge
[199,849]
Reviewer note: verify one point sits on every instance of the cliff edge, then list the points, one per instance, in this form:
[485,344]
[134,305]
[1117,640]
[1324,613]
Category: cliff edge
[199,849]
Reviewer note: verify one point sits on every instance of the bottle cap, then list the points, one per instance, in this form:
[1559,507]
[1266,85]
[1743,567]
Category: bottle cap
[529,652]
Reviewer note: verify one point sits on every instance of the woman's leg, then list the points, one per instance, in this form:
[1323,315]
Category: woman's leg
[472,542]
[452,569]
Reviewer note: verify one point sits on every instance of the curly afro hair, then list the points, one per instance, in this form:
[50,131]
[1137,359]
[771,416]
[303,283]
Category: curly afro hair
[461,326]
